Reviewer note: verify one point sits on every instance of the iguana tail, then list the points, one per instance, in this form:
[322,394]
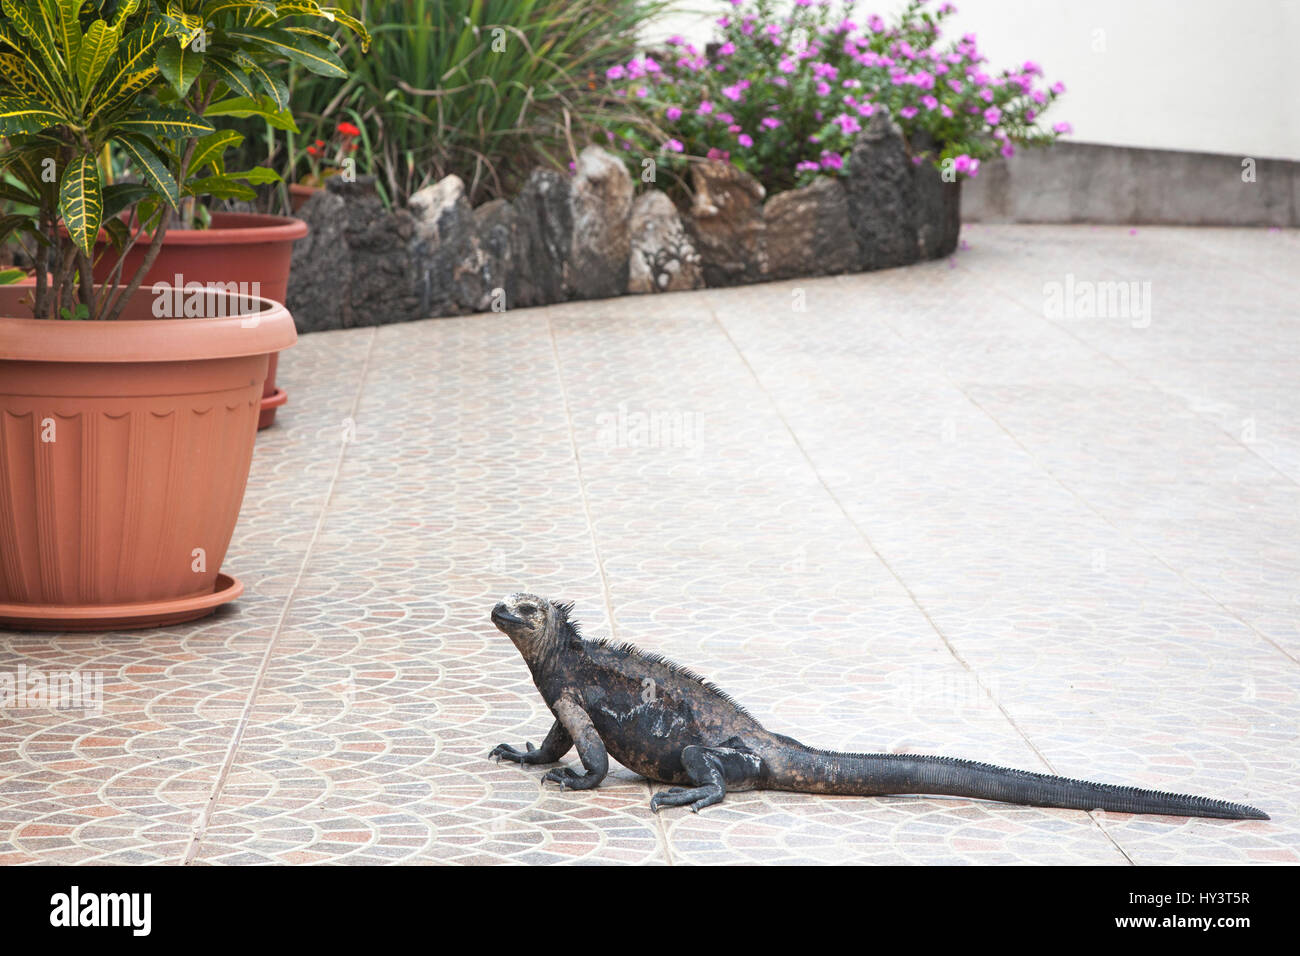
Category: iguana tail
[818,771]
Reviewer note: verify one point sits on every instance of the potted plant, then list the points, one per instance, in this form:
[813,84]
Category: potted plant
[326,159]
[127,411]
[242,48]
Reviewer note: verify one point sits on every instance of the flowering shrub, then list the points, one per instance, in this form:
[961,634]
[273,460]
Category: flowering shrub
[782,95]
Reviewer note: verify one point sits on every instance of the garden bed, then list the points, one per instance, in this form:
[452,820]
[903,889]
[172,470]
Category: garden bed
[588,235]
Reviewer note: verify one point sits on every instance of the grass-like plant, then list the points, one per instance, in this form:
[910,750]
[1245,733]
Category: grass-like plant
[485,89]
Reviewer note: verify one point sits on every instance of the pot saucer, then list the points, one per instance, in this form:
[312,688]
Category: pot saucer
[119,617]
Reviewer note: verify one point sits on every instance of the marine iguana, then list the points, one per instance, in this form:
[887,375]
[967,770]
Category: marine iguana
[671,725]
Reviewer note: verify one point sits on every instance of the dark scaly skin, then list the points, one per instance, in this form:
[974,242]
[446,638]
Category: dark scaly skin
[670,725]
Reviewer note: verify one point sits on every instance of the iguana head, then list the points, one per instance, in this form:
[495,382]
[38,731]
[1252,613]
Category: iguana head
[531,622]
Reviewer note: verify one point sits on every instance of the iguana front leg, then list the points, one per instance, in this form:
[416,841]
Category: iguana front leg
[553,748]
[591,749]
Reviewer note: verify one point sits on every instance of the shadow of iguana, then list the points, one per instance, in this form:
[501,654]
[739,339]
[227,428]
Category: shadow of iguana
[669,724]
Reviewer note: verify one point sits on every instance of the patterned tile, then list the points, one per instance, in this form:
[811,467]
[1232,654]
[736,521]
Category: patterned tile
[910,510]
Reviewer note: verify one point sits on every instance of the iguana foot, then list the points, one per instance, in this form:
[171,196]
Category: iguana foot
[697,797]
[506,752]
[571,779]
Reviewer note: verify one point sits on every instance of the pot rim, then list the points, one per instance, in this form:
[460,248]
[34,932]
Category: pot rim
[256,227]
[268,329]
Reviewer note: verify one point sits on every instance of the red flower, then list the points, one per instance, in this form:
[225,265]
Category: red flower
[320,143]
[313,151]
[347,129]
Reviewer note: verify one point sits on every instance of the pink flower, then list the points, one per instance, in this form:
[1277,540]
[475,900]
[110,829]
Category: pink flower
[1062,128]
[807,166]
[945,110]
[930,102]
[642,92]
[726,118]
[769,122]
[992,116]
[615,72]
[744,139]
[674,146]
[907,112]
[832,160]
[705,108]
[715,153]
[727,49]
[733,93]
[786,65]
[674,113]
[1008,150]
[823,88]
[1058,87]
[847,124]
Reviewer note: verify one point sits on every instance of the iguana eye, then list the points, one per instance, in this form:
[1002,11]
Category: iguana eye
[527,609]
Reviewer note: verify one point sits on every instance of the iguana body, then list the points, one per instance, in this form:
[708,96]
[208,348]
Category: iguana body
[668,724]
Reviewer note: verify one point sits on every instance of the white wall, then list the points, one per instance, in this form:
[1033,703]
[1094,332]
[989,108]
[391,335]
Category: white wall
[1203,75]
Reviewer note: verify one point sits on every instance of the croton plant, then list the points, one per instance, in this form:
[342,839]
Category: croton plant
[148,81]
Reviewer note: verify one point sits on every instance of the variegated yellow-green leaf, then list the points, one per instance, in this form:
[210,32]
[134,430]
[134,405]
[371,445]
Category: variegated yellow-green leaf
[181,66]
[223,6]
[235,79]
[24,114]
[80,203]
[124,10]
[299,49]
[129,88]
[341,16]
[97,48]
[209,150]
[121,195]
[14,71]
[152,169]
[242,107]
[275,87]
[257,176]
[222,187]
[68,28]
[30,24]
[172,122]
[134,59]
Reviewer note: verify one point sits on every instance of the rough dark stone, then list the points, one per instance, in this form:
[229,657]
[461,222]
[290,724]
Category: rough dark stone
[881,191]
[352,268]
[446,250]
[725,223]
[601,197]
[662,259]
[809,233]
[938,205]
[497,223]
[543,238]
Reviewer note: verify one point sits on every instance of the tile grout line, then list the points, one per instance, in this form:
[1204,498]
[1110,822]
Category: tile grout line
[205,816]
[1087,503]
[866,539]
[595,547]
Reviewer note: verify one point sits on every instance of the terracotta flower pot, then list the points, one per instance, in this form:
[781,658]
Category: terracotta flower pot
[239,247]
[124,452]
[299,194]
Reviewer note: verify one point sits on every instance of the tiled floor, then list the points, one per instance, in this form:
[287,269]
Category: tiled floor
[916,509]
